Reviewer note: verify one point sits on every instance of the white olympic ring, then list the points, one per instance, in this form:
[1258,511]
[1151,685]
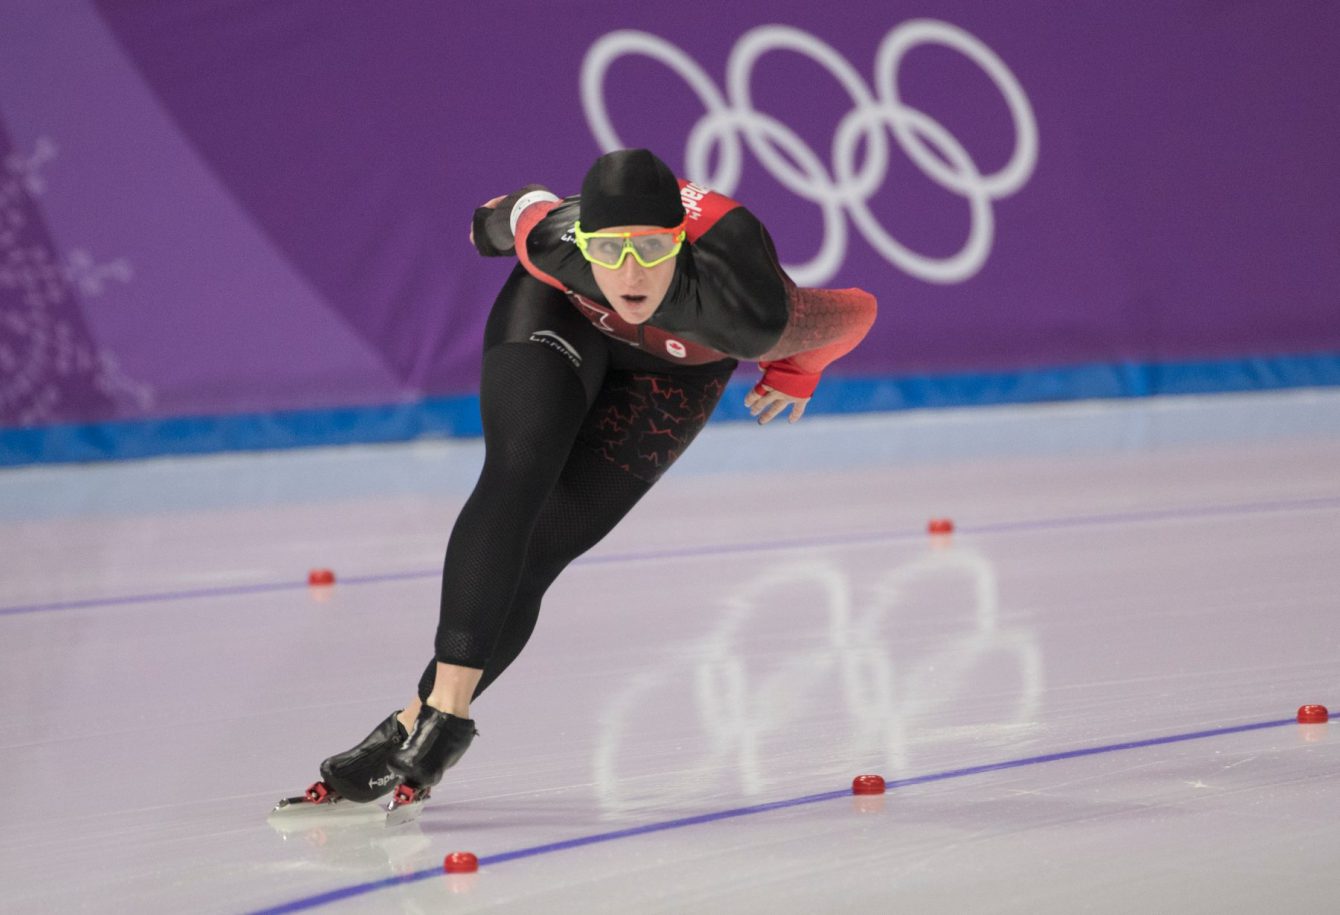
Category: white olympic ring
[846,189]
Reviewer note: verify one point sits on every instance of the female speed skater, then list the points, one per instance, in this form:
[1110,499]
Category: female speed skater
[605,353]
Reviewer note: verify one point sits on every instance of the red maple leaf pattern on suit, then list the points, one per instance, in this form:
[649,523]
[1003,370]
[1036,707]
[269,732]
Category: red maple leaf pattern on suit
[642,422]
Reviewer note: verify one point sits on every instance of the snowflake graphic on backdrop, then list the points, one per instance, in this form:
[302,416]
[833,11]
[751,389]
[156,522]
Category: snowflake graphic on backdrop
[51,369]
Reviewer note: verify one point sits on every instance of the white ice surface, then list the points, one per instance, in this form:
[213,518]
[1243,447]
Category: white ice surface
[771,621]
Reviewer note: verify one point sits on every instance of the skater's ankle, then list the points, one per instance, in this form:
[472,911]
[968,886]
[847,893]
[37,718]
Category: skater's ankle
[408,715]
[453,688]
[445,704]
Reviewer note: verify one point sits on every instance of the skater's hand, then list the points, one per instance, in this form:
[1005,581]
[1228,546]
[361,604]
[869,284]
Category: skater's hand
[770,402]
[492,204]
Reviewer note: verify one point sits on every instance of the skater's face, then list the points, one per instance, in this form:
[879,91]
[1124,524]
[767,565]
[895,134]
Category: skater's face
[634,291]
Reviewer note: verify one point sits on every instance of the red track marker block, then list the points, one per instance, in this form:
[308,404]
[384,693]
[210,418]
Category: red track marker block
[867,784]
[940,526]
[460,862]
[321,577]
[1313,714]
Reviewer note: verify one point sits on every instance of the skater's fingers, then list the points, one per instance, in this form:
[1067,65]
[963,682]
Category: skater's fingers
[774,408]
[767,403]
[758,401]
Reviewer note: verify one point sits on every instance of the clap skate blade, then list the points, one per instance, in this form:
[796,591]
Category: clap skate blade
[319,801]
[318,795]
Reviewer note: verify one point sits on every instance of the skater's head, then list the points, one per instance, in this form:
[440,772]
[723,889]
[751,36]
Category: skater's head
[631,229]
[630,187]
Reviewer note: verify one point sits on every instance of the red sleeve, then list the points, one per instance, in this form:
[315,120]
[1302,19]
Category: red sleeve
[530,218]
[825,324]
[703,208]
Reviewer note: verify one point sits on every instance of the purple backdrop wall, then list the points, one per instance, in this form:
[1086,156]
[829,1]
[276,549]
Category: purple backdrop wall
[216,207]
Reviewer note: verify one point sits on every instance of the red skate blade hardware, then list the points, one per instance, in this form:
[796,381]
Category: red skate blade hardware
[319,794]
[405,804]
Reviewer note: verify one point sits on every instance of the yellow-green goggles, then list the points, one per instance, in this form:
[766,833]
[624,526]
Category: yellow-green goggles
[610,249]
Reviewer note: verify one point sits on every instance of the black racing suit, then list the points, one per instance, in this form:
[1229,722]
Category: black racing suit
[583,412]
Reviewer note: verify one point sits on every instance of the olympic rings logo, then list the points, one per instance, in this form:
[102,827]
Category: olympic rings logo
[845,189]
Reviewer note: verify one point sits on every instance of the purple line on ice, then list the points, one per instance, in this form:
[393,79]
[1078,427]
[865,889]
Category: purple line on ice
[194,593]
[358,889]
[1001,527]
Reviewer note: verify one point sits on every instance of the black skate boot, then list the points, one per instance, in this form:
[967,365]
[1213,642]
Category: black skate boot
[355,776]
[437,742]
[362,774]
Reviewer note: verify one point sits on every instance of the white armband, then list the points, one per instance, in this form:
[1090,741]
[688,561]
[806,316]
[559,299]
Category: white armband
[526,200]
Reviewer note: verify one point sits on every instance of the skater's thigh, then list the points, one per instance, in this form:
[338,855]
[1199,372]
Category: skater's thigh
[641,422]
[535,314]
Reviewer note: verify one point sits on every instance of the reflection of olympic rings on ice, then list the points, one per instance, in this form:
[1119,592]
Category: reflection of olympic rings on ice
[843,665]
[848,187]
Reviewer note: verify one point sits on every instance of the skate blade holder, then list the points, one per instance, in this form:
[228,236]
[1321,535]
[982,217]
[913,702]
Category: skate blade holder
[405,804]
[320,801]
[319,793]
